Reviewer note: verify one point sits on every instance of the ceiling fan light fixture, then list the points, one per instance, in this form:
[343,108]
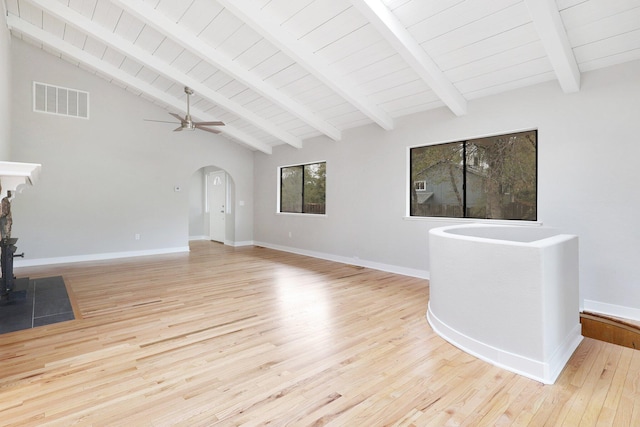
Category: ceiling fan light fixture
[187,123]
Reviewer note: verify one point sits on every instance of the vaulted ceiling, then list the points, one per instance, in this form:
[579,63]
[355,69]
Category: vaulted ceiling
[281,71]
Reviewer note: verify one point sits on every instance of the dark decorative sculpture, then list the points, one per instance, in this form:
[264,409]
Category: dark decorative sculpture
[5,216]
[8,250]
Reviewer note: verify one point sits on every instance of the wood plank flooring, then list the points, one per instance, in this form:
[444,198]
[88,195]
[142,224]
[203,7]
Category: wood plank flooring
[251,336]
[611,329]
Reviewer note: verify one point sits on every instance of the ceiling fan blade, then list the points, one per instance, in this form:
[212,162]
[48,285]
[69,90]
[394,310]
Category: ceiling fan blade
[159,121]
[187,123]
[208,129]
[177,117]
[209,123]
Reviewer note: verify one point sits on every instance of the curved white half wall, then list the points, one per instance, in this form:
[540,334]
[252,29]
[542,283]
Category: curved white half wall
[507,294]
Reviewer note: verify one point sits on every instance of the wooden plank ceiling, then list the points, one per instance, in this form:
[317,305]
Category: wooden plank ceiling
[281,71]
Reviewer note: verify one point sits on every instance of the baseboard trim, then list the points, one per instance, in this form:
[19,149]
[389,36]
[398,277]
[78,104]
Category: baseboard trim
[421,274]
[239,244]
[614,310]
[196,238]
[546,371]
[226,242]
[96,257]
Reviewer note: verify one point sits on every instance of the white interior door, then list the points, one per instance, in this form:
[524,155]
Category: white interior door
[217,196]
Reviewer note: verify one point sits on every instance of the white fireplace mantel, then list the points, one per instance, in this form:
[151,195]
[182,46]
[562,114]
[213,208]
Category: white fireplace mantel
[14,174]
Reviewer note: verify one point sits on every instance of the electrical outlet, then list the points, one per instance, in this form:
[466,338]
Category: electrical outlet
[137,236]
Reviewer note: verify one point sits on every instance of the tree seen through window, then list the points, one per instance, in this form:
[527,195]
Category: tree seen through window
[303,188]
[492,178]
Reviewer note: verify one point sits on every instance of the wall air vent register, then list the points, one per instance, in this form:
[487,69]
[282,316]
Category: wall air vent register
[61,101]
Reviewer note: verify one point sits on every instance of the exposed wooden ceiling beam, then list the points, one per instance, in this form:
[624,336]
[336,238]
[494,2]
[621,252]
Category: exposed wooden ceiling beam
[264,24]
[195,45]
[128,49]
[397,35]
[548,23]
[127,79]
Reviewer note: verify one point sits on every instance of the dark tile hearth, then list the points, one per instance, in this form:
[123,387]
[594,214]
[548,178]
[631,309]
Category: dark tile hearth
[46,302]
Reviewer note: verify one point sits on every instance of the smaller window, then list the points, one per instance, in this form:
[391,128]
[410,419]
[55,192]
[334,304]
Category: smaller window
[302,188]
[420,185]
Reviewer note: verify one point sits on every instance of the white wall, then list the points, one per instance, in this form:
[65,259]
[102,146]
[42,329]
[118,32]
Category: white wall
[197,205]
[5,90]
[588,177]
[105,179]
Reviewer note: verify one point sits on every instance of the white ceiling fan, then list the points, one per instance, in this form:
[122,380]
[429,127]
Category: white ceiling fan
[187,123]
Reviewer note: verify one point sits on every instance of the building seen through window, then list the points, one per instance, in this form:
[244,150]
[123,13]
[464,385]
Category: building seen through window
[491,178]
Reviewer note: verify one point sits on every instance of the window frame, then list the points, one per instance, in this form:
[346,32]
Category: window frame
[279,189]
[409,183]
[420,188]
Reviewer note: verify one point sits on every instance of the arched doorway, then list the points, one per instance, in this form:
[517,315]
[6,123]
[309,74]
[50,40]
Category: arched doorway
[211,213]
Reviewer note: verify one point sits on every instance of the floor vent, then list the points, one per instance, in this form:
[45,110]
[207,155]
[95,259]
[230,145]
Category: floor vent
[61,101]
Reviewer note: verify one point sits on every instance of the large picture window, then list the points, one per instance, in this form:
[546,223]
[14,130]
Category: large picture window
[302,188]
[493,178]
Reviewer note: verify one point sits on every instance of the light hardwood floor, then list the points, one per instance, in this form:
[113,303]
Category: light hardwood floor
[252,336]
